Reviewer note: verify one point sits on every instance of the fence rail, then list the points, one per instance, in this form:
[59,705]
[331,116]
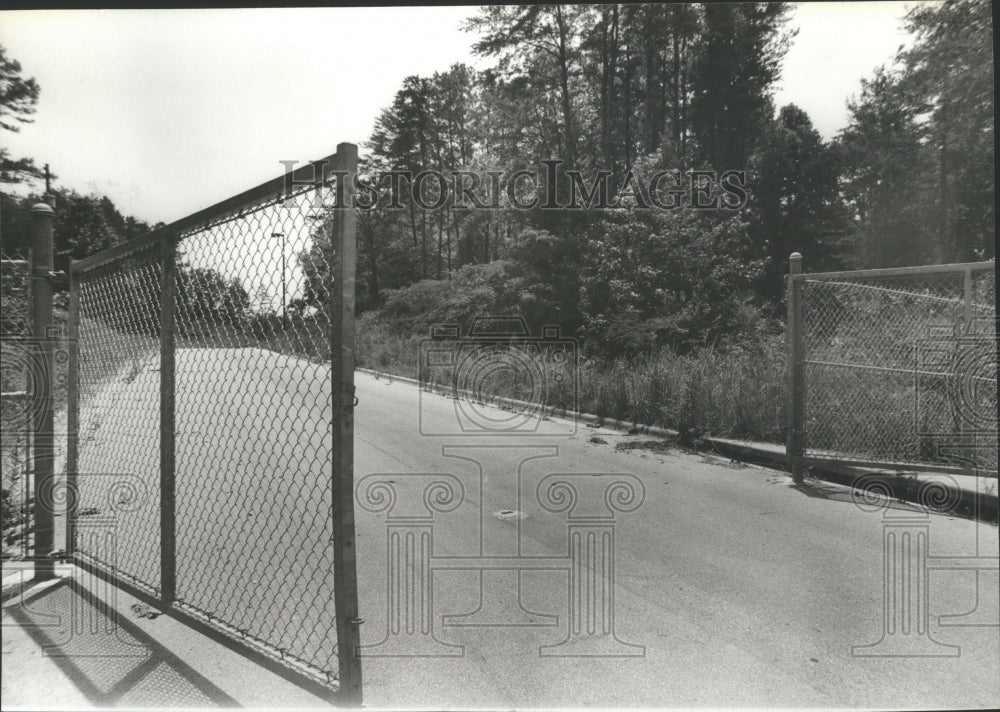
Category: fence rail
[209,443]
[896,368]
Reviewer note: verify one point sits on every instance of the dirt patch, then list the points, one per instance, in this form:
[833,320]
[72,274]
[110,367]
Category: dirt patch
[652,445]
[722,461]
[673,447]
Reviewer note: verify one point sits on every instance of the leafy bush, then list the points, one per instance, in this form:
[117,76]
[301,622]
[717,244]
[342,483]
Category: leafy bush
[474,290]
[675,279]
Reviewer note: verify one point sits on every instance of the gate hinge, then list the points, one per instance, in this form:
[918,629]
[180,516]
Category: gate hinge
[57,276]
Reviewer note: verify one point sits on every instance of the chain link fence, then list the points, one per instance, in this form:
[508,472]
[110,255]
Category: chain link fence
[899,366]
[206,420]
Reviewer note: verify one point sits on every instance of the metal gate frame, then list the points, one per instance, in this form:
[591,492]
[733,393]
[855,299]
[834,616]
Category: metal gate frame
[340,311]
[797,442]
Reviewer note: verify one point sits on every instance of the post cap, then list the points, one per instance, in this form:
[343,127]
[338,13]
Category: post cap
[795,256]
[41,208]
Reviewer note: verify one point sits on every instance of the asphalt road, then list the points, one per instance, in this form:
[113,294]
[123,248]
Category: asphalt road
[727,585]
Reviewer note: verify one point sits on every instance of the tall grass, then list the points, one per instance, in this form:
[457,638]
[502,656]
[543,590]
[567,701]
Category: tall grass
[735,392]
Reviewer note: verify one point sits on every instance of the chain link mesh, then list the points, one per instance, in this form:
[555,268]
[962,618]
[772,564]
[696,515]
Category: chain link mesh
[119,424]
[254,437]
[14,431]
[902,369]
[253,415]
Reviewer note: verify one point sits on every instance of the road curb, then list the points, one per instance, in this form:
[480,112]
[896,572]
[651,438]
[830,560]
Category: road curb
[936,490]
[924,488]
[552,411]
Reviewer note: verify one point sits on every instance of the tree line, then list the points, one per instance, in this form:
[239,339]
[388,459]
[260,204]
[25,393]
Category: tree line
[636,89]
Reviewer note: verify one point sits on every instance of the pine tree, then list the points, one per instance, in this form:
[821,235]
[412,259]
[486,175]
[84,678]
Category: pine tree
[18,99]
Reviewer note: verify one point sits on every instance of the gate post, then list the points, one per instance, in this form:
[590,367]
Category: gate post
[965,332]
[42,442]
[967,297]
[341,306]
[795,436]
[168,291]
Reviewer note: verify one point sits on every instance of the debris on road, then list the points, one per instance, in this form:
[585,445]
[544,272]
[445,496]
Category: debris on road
[141,610]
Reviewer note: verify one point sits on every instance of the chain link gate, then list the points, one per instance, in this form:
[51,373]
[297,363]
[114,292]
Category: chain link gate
[894,367]
[210,457]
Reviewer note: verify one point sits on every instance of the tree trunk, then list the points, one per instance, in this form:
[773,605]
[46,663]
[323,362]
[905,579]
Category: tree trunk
[677,88]
[627,94]
[605,96]
[947,249]
[373,284]
[448,232]
[649,55]
[413,225]
[567,109]
[684,96]
[423,244]
[440,247]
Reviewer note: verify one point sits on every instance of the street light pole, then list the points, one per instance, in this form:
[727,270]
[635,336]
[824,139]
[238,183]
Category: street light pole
[284,297]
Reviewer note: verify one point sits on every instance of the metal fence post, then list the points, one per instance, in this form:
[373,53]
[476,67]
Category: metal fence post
[72,411]
[43,441]
[795,437]
[968,296]
[168,289]
[341,304]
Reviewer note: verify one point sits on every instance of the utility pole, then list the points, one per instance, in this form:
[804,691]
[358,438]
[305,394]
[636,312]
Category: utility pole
[49,198]
[284,296]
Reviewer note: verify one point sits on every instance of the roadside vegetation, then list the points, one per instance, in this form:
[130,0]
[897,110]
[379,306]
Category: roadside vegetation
[736,391]
[677,312]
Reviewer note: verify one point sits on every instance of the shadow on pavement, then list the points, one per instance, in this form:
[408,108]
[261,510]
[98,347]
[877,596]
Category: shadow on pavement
[819,491]
[834,493]
[110,659]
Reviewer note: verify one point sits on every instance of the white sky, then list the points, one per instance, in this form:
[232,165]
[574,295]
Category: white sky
[170,111]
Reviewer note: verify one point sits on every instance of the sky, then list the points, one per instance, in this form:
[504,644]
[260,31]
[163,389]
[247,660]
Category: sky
[170,111]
